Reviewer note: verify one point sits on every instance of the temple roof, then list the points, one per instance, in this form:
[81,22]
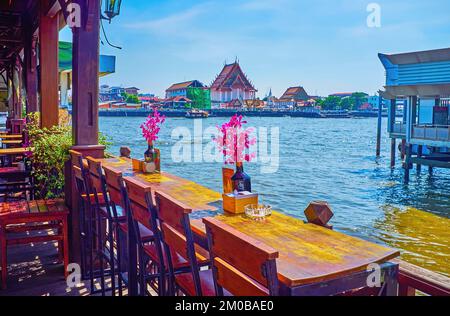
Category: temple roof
[293,93]
[231,74]
[184,85]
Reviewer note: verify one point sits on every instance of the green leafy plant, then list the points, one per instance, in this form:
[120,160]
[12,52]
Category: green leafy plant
[51,152]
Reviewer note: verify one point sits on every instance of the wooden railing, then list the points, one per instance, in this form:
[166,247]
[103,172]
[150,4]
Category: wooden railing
[399,128]
[432,132]
[413,278]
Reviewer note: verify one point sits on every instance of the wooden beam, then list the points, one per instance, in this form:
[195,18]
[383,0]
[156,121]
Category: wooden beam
[53,8]
[30,61]
[85,75]
[48,35]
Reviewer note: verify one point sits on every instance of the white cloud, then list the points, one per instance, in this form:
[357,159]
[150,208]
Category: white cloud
[171,23]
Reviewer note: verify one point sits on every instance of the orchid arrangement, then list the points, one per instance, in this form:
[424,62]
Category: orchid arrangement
[234,141]
[152,126]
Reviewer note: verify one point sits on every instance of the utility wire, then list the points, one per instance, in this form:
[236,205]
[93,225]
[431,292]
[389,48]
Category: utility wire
[106,37]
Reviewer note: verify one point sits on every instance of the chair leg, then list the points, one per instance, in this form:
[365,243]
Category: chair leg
[112,262]
[65,233]
[3,255]
[119,258]
[100,251]
[91,243]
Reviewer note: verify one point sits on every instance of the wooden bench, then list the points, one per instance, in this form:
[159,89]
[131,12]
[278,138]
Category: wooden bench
[23,217]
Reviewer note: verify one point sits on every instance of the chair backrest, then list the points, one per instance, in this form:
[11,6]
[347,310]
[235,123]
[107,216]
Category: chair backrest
[96,175]
[177,235]
[140,203]
[242,265]
[115,186]
[76,158]
[79,182]
[142,209]
[172,212]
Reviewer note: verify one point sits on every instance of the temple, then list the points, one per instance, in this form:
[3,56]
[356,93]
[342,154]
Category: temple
[231,87]
[292,97]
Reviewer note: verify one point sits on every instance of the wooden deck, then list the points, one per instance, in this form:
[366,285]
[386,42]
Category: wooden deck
[33,270]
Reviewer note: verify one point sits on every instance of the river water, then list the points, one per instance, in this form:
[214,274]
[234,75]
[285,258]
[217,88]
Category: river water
[323,159]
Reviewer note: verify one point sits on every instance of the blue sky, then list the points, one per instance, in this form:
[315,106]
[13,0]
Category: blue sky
[323,45]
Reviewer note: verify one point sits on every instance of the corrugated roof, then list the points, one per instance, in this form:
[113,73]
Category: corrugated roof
[427,56]
[181,85]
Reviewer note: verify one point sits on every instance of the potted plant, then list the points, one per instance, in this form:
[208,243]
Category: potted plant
[234,141]
[150,130]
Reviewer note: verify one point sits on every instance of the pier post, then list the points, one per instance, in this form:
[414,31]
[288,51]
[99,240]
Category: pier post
[419,155]
[393,149]
[403,149]
[380,112]
[407,162]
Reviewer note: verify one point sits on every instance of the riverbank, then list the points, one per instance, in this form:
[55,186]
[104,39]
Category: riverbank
[248,113]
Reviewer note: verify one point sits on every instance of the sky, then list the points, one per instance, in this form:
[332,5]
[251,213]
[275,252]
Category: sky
[325,46]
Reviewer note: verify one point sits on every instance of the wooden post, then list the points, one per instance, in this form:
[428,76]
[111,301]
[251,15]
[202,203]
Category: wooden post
[419,155]
[85,77]
[30,62]
[48,35]
[380,112]
[393,150]
[86,39]
[407,162]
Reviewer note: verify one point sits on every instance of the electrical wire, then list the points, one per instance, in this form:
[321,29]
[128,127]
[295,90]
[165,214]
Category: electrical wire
[106,37]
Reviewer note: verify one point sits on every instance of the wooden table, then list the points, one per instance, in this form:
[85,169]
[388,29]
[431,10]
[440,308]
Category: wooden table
[34,212]
[14,151]
[11,136]
[313,260]
[12,142]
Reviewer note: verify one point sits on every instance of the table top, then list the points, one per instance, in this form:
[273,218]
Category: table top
[10,136]
[194,195]
[12,142]
[308,253]
[14,151]
[16,210]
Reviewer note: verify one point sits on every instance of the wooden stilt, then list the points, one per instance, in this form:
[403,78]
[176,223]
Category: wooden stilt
[419,155]
[407,163]
[393,150]
[403,151]
[380,110]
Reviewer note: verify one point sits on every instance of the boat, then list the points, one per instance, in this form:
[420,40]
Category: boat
[195,113]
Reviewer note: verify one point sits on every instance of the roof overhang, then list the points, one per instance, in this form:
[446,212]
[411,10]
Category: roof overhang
[423,91]
[428,56]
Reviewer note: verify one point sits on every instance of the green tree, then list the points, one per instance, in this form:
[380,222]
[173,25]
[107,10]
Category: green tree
[200,97]
[330,103]
[133,99]
[358,99]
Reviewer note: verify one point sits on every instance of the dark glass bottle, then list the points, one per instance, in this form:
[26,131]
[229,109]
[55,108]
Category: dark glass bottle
[241,180]
[150,153]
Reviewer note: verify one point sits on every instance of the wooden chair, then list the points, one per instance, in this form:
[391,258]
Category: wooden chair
[178,241]
[241,265]
[85,226]
[106,241]
[19,219]
[143,211]
[117,198]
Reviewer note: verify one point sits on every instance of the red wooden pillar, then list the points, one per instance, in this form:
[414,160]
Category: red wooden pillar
[85,72]
[48,37]
[86,52]
[31,78]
